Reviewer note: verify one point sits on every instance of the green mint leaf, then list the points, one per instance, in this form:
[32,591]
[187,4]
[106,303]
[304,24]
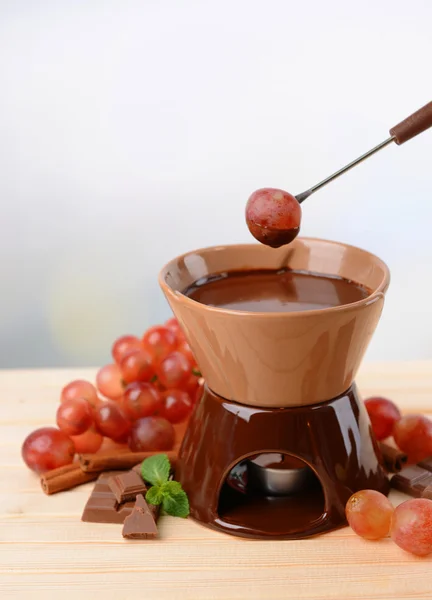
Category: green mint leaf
[171,488]
[176,505]
[154,495]
[156,469]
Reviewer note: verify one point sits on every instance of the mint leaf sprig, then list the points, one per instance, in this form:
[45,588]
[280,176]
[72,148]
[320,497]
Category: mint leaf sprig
[170,494]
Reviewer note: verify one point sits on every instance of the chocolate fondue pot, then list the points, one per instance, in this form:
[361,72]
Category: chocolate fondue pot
[280,439]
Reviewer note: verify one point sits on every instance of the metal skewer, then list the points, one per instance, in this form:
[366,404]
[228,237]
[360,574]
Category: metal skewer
[404,131]
[318,186]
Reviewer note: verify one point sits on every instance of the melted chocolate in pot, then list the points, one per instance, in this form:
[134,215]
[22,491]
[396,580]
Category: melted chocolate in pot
[267,290]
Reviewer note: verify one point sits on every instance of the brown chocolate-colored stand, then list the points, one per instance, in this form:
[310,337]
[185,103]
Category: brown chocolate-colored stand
[278,383]
[333,438]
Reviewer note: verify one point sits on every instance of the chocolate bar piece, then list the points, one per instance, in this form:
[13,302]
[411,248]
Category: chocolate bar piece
[426,464]
[140,524]
[393,458]
[414,481]
[126,486]
[102,506]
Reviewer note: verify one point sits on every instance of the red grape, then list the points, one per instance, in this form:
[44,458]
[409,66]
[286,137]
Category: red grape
[176,406]
[136,366]
[191,385]
[158,385]
[151,433]
[109,381]
[174,325]
[369,514]
[141,399]
[74,416]
[173,370]
[123,345]
[199,392]
[47,448]
[383,414]
[88,442]
[159,341]
[185,349]
[112,422]
[411,526]
[273,217]
[80,389]
[413,435]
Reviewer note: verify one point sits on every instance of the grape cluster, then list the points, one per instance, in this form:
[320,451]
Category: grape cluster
[153,383]
[411,433]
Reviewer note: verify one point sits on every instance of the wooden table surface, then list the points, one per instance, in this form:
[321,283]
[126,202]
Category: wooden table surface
[45,550]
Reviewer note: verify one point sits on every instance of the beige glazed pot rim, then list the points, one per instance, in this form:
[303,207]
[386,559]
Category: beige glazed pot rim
[377,292]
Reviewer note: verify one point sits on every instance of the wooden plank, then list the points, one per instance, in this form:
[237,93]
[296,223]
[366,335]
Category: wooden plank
[46,550]
[269,582]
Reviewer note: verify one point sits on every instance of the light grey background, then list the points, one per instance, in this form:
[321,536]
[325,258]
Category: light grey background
[131,131]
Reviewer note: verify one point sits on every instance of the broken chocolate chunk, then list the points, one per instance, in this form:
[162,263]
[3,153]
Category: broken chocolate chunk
[140,524]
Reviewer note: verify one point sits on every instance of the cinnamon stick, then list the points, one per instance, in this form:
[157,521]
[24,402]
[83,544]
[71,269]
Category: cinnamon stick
[65,478]
[113,460]
[393,458]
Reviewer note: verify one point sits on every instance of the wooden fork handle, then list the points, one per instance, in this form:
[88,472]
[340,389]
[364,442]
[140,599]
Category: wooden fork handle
[413,125]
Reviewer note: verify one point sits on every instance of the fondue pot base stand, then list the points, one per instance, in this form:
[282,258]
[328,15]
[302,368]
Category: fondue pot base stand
[332,438]
[278,383]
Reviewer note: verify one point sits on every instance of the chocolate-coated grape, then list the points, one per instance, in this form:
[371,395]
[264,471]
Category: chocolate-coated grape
[273,217]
